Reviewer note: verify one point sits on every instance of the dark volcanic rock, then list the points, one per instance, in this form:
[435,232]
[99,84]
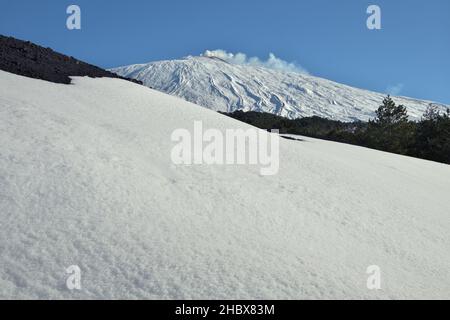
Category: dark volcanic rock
[27,59]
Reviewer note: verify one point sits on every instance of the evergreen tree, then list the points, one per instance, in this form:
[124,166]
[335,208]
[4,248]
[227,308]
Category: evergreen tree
[389,113]
[390,131]
[432,139]
[432,113]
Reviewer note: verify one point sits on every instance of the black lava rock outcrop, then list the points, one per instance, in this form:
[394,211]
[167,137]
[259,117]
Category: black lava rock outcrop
[30,60]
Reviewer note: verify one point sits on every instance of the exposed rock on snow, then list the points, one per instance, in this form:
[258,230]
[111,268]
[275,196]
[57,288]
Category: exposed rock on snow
[30,60]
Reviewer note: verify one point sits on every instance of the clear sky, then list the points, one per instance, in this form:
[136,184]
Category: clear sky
[410,55]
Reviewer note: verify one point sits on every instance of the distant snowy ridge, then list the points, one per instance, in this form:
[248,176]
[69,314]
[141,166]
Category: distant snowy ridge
[210,81]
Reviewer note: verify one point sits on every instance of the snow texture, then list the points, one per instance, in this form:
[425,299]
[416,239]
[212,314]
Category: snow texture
[218,85]
[86,179]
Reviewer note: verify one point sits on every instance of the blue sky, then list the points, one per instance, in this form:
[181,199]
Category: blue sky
[329,38]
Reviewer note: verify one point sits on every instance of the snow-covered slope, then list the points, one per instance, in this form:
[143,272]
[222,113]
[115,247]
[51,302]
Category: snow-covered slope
[221,86]
[86,179]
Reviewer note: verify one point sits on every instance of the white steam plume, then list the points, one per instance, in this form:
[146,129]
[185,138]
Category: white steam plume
[241,59]
[396,89]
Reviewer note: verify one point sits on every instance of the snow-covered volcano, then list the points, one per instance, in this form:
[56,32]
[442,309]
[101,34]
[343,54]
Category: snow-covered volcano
[86,179]
[218,85]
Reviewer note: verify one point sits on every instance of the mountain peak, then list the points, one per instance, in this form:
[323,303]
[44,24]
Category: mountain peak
[229,82]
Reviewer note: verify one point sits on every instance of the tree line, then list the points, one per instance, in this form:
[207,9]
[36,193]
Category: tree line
[390,130]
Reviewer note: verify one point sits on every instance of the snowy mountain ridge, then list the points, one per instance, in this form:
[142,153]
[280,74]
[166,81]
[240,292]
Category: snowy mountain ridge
[216,84]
